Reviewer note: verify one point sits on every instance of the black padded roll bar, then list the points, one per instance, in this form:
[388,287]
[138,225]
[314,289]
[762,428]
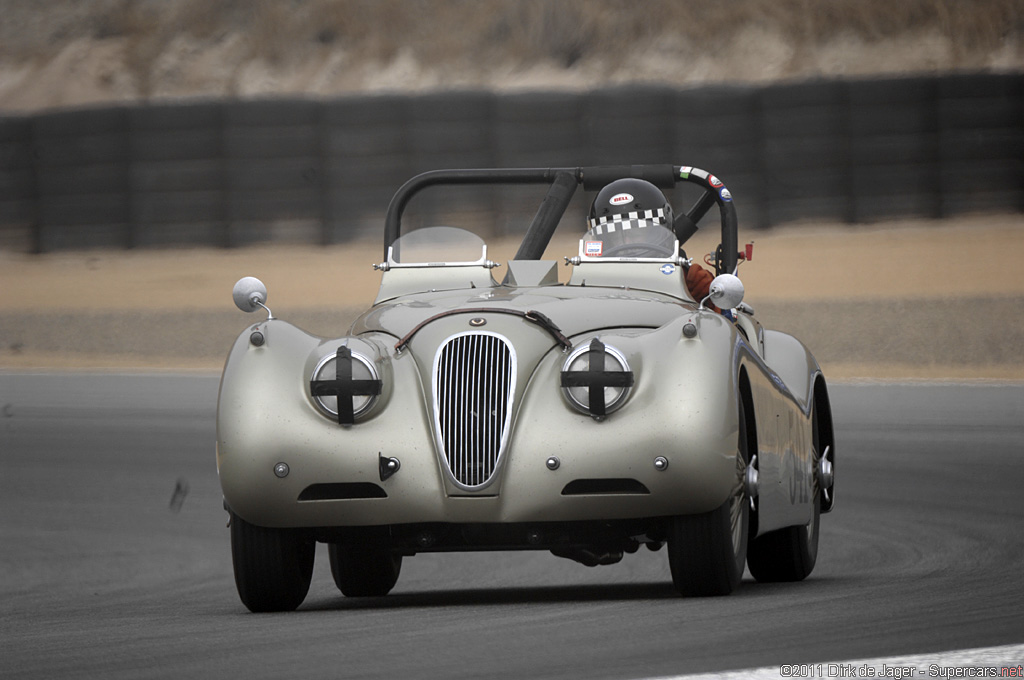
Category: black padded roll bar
[594,179]
[563,183]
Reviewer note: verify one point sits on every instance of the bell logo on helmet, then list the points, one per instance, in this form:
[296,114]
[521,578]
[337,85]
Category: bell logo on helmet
[621,199]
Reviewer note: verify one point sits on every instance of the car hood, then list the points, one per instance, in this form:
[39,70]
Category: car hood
[572,309]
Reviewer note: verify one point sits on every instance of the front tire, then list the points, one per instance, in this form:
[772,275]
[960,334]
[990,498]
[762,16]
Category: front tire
[706,553]
[273,567]
[363,571]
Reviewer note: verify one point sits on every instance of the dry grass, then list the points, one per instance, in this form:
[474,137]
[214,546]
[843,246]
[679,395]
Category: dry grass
[456,34]
[523,29]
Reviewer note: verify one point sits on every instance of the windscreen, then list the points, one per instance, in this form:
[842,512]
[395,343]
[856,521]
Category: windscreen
[623,240]
[437,245]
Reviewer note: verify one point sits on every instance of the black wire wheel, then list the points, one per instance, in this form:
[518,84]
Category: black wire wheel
[789,554]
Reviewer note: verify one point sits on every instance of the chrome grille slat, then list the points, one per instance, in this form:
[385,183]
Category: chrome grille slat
[474,383]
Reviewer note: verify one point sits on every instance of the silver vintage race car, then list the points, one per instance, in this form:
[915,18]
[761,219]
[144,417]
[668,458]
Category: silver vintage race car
[464,411]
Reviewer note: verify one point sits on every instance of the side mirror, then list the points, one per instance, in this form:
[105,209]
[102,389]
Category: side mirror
[250,294]
[726,291]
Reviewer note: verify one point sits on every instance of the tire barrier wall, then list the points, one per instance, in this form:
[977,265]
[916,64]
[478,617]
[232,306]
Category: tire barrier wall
[322,171]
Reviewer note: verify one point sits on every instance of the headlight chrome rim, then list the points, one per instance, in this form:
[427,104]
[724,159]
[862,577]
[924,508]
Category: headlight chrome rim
[361,404]
[578,396]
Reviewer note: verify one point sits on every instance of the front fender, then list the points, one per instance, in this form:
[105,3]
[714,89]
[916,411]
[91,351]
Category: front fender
[683,408]
[265,416]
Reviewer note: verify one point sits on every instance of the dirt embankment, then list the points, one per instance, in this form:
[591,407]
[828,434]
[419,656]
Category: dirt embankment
[71,53]
[914,299]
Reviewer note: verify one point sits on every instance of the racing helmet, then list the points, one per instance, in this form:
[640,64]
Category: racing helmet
[631,203]
[631,218]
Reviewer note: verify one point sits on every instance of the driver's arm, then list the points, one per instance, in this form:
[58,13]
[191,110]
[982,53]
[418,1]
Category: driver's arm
[698,280]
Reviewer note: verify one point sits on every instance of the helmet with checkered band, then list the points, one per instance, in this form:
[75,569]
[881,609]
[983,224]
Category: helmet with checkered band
[631,202]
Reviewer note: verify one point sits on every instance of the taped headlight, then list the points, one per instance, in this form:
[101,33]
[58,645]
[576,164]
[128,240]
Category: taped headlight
[596,379]
[345,385]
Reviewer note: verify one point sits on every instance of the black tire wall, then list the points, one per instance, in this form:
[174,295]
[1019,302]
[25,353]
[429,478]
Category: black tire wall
[216,173]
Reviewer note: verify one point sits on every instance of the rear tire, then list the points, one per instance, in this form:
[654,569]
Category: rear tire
[706,553]
[786,554]
[273,567]
[361,571]
[789,554]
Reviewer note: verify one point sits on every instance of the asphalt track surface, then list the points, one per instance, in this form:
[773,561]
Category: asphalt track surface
[115,559]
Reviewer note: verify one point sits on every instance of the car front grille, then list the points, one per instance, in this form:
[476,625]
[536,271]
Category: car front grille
[474,383]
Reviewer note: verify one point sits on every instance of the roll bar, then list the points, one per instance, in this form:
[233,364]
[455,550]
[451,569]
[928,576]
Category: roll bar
[563,183]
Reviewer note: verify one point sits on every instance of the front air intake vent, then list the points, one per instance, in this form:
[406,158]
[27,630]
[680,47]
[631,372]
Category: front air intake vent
[341,491]
[474,383]
[604,487]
